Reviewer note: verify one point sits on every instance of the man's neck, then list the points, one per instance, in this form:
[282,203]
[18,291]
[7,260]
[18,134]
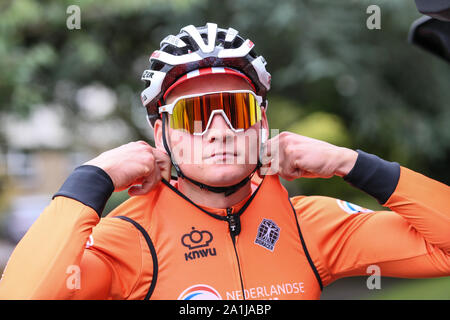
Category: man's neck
[211,199]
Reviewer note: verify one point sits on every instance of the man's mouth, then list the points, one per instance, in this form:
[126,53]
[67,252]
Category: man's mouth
[220,155]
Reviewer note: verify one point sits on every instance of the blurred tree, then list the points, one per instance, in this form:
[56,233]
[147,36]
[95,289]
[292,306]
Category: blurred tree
[391,98]
[332,78]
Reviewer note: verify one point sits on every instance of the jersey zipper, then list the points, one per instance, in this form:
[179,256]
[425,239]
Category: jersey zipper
[234,226]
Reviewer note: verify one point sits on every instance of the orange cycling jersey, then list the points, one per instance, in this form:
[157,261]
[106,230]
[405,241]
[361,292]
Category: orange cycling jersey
[268,246]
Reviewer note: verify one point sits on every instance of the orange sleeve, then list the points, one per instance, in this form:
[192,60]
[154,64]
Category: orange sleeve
[425,204]
[50,260]
[70,253]
[412,240]
[118,244]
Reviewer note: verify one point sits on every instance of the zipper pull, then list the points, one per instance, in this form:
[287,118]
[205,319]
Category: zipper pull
[234,223]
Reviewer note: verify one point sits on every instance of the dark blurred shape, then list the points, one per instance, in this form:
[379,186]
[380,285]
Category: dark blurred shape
[432,33]
[438,9]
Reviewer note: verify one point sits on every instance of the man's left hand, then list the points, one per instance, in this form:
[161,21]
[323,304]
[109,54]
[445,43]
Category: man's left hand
[299,156]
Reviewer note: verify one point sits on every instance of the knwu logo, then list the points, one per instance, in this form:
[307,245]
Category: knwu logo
[198,242]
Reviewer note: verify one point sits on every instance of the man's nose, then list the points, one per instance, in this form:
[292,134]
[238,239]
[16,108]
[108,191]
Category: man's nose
[218,129]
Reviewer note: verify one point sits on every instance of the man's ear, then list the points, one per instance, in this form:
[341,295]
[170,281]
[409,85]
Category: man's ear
[157,134]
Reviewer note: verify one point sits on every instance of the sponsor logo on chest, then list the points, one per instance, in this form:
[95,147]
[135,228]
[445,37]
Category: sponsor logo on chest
[198,244]
[268,234]
[264,292]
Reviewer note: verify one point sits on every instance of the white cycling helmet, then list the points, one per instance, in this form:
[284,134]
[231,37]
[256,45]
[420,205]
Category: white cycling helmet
[198,47]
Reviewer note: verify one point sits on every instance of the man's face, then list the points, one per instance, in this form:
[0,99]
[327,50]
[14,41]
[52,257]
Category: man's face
[221,156]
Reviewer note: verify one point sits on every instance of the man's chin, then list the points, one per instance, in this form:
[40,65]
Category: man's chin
[220,174]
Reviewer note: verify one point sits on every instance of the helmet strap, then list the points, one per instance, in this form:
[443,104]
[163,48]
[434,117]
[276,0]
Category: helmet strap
[228,190]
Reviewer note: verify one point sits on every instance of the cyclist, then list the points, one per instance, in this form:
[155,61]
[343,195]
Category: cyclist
[226,228]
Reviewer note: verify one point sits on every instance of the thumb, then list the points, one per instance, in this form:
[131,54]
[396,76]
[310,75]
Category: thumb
[164,163]
[146,187]
[147,184]
[270,157]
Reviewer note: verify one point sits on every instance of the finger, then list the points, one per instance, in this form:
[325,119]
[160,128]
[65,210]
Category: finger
[144,188]
[270,148]
[270,156]
[141,190]
[137,181]
[310,174]
[269,167]
[291,174]
[163,163]
[147,183]
[136,191]
[142,142]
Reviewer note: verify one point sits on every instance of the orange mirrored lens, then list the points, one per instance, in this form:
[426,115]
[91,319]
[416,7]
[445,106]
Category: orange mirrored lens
[192,114]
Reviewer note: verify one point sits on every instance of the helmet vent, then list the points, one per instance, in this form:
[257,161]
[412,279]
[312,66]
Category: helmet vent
[191,45]
[237,42]
[156,65]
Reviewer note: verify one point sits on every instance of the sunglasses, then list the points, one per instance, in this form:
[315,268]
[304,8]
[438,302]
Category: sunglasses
[193,113]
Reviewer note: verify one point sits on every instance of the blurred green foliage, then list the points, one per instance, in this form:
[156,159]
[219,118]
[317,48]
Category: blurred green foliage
[418,289]
[115,200]
[323,126]
[333,79]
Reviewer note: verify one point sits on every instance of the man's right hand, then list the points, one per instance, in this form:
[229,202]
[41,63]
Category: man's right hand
[136,164]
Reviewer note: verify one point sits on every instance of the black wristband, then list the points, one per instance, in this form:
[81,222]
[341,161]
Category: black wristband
[375,176]
[89,185]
